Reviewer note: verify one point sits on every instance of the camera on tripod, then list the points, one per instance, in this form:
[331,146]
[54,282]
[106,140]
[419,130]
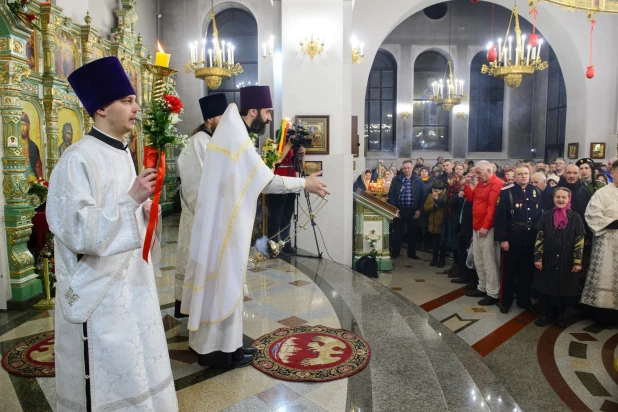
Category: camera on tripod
[299,136]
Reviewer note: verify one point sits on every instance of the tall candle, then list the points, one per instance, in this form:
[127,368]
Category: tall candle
[499,50]
[517,56]
[506,52]
[528,57]
[203,54]
[533,57]
[210,56]
[233,48]
[538,52]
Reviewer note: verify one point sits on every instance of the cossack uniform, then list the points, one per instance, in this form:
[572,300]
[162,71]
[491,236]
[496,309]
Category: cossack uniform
[517,214]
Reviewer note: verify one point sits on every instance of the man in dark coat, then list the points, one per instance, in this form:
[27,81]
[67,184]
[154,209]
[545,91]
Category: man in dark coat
[539,180]
[580,195]
[405,194]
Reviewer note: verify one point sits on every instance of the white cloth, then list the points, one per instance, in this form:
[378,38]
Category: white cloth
[189,166]
[110,287]
[486,256]
[601,289]
[232,178]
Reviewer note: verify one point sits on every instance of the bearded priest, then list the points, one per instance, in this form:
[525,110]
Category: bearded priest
[601,289]
[189,166]
[233,177]
[110,347]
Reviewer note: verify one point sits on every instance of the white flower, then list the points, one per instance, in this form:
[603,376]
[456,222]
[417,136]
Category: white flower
[174,118]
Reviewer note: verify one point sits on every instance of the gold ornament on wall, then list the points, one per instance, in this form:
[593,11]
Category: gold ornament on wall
[312,47]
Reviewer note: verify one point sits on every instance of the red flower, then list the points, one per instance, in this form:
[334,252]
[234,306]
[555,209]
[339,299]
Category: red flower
[45,183]
[31,17]
[173,103]
[24,1]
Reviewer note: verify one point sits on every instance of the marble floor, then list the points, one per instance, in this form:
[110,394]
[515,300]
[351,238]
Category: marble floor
[433,349]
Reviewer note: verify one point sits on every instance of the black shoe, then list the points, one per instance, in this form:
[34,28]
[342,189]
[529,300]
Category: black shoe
[559,321]
[470,286]
[543,321]
[177,313]
[488,301]
[245,361]
[433,263]
[249,350]
[441,264]
[414,257]
[504,309]
[476,294]
[459,280]
[288,249]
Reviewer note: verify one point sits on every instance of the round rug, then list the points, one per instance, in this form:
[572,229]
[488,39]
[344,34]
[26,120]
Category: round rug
[32,358]
[311,354]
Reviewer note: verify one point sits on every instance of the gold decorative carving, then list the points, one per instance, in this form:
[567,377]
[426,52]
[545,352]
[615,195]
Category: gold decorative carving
[18,47]
[19,72]
[15,186]
[29,88]
[4,72]
[3,44]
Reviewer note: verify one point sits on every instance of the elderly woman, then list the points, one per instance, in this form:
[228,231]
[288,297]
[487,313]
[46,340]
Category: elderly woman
[558,258]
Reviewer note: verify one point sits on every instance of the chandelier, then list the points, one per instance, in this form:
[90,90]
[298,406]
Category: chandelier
[591,6]
[447,92]
[220,63]
[510,64]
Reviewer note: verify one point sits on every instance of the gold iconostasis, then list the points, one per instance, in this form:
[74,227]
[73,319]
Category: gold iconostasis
[74,45]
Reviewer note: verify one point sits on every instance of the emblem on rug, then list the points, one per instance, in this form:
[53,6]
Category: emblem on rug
[32,358]
[311,354]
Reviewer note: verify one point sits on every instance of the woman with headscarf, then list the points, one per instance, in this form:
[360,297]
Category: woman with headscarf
[558,258]
[362,182]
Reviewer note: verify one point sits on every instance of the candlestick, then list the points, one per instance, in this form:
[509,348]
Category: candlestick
[499,50]
[528,57]
[233,48]
[533,57]
[210,56]
[203,54]
[538,52]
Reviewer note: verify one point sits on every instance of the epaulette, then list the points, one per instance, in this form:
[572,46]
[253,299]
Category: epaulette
[508,187]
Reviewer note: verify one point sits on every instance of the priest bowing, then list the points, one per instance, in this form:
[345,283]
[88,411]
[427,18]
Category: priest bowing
[233,177]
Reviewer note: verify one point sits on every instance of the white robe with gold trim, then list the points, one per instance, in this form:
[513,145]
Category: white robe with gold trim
[110,288]
[601,289]
[189,165]
[233,177]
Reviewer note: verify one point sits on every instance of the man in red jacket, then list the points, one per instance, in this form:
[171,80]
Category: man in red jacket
[484,198]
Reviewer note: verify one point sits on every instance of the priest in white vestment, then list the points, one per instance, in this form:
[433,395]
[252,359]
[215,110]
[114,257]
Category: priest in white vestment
[601,289]
[110,346]
[233,177]
[189,166]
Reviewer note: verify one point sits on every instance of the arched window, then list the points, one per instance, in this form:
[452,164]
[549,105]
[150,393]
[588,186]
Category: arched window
[240,28]
[556,109]
[430,123]
[380,99]
[486,109]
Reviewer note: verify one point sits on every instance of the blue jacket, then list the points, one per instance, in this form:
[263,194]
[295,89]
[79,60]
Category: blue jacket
[417,192]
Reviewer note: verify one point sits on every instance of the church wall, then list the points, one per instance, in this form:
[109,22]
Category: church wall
[320,86]
[591,108]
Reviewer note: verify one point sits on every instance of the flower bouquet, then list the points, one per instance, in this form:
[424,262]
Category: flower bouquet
[160,130]
[37,194]
[19,8]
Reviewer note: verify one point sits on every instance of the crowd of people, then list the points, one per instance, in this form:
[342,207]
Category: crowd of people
[532,230]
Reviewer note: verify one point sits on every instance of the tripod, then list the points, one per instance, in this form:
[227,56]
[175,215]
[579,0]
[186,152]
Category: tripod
[301,171]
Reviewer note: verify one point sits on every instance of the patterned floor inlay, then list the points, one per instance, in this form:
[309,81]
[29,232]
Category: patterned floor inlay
[396,288]
[292,322]
[457,324]
[300,283]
